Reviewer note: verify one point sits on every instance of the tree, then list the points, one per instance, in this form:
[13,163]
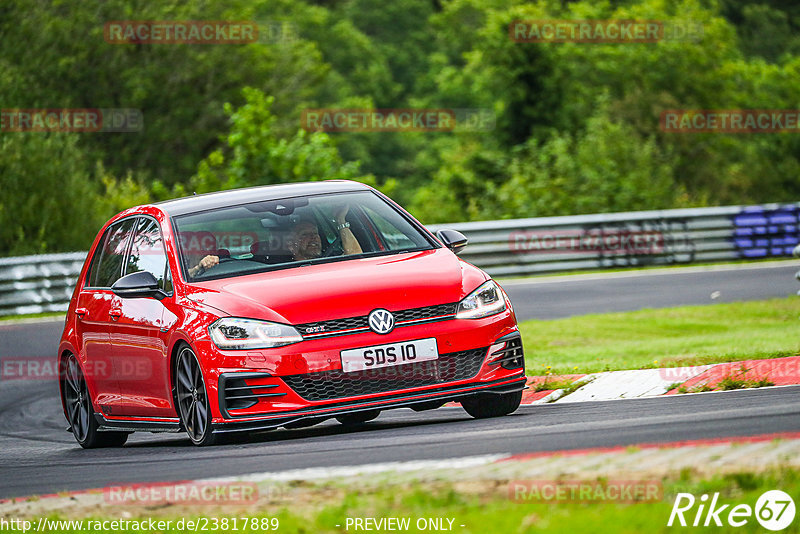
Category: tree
[254,154]
[48,195]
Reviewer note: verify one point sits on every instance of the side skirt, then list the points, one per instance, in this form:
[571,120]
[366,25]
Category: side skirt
[136,425]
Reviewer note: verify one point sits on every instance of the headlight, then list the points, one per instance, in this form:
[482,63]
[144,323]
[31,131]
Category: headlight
[484,301]
[235,333]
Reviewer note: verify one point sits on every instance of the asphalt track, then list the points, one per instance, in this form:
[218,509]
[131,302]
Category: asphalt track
[39,456]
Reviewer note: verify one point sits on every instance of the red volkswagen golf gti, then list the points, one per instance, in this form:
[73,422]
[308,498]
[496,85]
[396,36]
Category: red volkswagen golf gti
[279,306]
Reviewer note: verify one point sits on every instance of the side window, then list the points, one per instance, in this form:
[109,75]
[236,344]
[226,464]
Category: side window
[147,252]
[107,264]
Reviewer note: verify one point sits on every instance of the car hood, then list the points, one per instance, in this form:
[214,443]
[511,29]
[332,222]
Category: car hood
[342,289]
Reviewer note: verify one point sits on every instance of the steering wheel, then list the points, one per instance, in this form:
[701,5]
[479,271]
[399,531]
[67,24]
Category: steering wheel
[332,247]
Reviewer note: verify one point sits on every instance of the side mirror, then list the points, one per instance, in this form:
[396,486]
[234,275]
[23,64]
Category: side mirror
[455,241]
[138,285]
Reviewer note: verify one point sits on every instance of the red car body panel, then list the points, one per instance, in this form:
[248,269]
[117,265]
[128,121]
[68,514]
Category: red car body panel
[126,346]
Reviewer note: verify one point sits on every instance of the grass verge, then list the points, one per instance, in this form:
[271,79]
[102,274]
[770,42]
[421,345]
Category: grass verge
[671,337]
[486,506]
[43,315]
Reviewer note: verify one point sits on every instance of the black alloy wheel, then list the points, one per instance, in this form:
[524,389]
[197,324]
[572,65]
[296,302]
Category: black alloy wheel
[80,412]
[192,398]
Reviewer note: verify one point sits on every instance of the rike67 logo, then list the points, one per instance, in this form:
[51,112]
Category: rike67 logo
[774,510]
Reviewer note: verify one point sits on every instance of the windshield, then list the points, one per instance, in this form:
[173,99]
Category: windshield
[278,234]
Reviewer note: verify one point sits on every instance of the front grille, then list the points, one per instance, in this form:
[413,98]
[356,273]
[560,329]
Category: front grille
[361,323]
[337,384]
[417,314]
[334,325]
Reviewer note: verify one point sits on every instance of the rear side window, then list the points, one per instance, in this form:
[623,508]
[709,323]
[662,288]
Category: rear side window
[147,252]
[107,263]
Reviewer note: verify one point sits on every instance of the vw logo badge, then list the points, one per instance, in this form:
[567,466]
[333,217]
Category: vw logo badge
[381,321]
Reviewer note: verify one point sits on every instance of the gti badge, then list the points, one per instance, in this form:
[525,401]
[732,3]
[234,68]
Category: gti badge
[381,321]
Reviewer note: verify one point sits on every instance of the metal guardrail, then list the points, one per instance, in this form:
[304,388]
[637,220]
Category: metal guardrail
[634,239]
[515,247]
[36,284]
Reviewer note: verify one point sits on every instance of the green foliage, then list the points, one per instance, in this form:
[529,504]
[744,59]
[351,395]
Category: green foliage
[254,155]
[180,89]
[119,194]
[47,194]
[576,131]
[608,167]
[51,201]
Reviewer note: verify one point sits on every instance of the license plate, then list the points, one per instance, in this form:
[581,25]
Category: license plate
[388,355]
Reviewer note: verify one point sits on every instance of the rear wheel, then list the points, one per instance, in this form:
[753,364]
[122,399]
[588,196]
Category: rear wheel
[192,397]
[358,417]
[80,412]
[492,405]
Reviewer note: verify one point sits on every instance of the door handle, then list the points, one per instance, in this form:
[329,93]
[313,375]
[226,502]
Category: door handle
[80,312]
[115,313]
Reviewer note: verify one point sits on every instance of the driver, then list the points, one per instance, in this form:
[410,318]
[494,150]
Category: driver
[305,243]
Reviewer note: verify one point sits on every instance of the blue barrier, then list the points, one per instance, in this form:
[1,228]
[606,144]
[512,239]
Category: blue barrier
[761,233]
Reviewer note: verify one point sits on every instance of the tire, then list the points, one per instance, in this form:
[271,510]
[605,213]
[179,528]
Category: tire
[80,411]
[191,398]
[492,405]
[358,417]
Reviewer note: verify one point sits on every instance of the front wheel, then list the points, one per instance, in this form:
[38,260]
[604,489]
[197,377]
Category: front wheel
[192,397]
[491,404]
[80,412]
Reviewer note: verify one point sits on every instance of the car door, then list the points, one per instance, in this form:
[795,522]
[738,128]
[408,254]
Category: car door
[94,313]
[141,356]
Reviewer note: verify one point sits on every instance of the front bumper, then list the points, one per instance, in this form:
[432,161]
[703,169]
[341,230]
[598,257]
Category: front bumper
[274,387]
[443,394]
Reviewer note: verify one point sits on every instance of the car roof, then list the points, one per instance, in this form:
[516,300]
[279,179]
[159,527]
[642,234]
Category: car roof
[233,197]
